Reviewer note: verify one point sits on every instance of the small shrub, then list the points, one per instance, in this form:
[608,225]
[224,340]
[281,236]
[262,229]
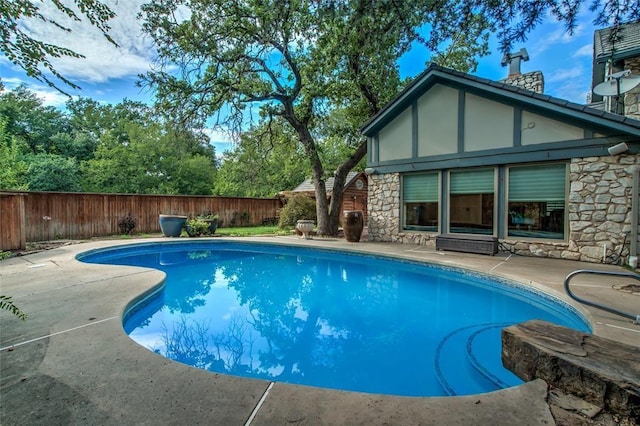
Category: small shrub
[127,225]
[299,207]
[196,227]
[240,218]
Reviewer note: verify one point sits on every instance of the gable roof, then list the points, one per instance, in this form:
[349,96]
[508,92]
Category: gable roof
[307,185]
[627,46]
[556,107]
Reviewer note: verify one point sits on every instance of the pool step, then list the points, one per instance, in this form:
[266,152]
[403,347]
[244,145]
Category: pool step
[489,363]
[464,366]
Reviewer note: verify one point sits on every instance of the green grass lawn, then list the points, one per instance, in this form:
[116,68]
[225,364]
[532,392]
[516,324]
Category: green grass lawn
[251,231]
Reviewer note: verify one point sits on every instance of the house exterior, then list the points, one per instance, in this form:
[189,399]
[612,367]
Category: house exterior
[458,154]
[354,196]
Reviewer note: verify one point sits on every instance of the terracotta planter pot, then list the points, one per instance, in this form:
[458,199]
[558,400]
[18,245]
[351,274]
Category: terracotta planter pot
[352,224]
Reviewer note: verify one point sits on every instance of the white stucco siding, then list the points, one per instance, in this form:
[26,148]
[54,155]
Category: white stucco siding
[395,139]
[438,121]
[538,129]
[487,124]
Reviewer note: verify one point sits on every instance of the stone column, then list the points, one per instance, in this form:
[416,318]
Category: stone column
[600,207]
[383,207]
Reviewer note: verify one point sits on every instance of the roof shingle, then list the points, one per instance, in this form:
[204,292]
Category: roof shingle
[629,41]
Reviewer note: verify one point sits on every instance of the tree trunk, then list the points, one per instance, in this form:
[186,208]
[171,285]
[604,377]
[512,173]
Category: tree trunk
[335,207]
[322,207]
[328,213]
[317,172]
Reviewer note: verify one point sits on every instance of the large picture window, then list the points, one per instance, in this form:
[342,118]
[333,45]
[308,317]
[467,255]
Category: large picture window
[420,201]
[471,201]
[536,201]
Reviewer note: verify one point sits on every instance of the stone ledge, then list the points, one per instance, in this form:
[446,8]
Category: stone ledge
[603,372]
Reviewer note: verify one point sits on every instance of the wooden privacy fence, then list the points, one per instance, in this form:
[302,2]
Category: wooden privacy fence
[42,216]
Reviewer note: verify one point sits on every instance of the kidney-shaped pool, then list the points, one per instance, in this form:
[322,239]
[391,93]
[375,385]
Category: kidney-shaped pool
[331,319]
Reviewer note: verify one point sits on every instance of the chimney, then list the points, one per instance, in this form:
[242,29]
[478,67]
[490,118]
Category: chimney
[514,59]
[533,81]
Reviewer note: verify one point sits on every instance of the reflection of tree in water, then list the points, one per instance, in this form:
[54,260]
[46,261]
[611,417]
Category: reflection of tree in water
[305,320]
[308,322]
[192,343]
[191,281]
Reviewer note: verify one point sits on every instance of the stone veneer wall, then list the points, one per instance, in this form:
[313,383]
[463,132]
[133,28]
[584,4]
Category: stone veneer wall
[533,81]
[384,213]
[599,212]
[600,207]
[383,207]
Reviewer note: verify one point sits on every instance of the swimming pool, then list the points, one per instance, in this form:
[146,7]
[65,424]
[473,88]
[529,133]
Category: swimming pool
[327,318]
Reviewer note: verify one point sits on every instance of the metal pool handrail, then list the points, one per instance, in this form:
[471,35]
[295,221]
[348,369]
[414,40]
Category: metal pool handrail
[634,317]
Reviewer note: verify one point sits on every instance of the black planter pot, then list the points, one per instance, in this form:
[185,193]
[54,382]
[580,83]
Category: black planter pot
[352,224]
[213,225]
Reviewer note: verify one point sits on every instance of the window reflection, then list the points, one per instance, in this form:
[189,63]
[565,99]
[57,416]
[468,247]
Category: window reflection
[471,196]
[422,215]
[536,200]
[420,193]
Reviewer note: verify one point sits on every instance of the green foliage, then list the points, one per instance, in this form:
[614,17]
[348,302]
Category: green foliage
[196,227]
[123,148]
[27,119]
[7,304]
[49,172]
[465,47]
[298,207]
[152,159]
[78,145]
[208,216]
[4,254]
[260,54]
[13,168]
[263,163]
[31,54]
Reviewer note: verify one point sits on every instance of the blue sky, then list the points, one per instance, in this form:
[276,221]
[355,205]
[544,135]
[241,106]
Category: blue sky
[108,74]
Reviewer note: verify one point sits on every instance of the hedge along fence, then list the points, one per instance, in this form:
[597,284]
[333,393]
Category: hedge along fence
[43,216]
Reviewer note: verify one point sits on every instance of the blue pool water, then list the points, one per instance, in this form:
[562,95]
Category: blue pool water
[329,319]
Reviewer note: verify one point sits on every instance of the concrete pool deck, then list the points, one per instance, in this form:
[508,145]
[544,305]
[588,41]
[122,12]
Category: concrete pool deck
[71,362]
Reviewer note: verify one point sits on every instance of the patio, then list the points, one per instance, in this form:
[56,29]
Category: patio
[71,363]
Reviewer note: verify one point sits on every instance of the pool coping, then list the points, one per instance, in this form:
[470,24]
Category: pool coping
[76,365]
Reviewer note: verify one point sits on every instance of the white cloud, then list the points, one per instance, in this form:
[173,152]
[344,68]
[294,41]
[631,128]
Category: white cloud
[551,40]
[574,91]
[571,83]
[586,50]
[12,82]
[49,96]
[565,74]
[552,34]
[103,61]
